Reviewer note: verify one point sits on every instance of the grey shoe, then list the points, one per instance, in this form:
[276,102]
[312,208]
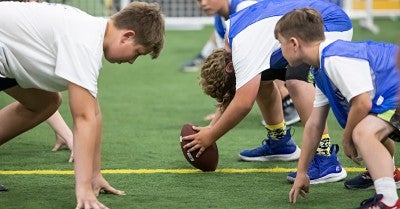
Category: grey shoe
[193,65]
[289,112]
[3,188]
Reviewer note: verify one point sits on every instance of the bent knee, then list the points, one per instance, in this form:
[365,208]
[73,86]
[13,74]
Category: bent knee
[360,135]
[53,102]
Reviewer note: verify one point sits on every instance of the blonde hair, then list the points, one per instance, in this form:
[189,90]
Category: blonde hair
[216,79]
[147,20]
[305,23]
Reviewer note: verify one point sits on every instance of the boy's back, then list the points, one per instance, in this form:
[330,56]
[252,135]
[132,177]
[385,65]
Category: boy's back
[51,39]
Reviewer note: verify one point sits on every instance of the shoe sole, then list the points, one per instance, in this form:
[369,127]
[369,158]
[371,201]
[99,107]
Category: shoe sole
[333,177]
[288,157]
[293,121]
[355,187]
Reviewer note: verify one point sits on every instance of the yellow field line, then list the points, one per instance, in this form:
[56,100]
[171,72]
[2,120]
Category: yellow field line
[155,171]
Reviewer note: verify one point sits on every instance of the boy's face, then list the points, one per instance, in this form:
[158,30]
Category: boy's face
[290,50]
[124,49]
[210,7]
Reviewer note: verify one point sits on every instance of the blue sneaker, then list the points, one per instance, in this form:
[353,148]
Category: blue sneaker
[284,150]
[324,169]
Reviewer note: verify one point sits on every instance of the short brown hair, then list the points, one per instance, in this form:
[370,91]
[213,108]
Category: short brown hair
[215,80]
[147,20]
[305,23]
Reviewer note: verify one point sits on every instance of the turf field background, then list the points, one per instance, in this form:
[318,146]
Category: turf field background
[144,106]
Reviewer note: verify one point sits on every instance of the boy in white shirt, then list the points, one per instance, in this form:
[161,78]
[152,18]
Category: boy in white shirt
[57,47]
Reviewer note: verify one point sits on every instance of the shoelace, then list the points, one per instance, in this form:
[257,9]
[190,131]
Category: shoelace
[371,202]
[264,142]
[315,162]
[366,175]
[287,102]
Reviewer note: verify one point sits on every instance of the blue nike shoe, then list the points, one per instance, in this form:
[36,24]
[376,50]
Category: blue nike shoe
[273,150]
[323,169]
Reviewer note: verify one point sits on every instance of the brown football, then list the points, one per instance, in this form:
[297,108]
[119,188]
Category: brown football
[207,161]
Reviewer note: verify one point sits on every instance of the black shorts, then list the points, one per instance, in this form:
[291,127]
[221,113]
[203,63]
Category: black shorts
[394,120]
[6,83]
[300,72]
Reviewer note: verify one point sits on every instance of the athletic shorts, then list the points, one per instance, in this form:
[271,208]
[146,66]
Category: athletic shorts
[392,117]
[300,72]
[6,83]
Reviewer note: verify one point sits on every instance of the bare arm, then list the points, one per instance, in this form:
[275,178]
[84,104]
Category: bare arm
[360,107]
[217,115]
[311,137]
[239,107]
[85,132]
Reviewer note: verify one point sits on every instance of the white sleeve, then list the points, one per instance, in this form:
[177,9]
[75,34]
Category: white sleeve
[252,49]
[79,64]
[320,98]
[350,75]
[244,4]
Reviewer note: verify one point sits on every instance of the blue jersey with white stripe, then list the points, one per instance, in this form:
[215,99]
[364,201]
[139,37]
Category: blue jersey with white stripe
[218,19]
[382,61]
[335,19]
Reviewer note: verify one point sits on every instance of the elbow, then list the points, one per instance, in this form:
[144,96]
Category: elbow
[246,107]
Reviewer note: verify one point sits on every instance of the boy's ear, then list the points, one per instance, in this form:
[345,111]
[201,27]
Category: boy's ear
[294,42]
[229,67]
[128,35]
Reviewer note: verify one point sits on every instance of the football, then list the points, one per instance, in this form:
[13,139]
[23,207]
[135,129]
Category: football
[207,161]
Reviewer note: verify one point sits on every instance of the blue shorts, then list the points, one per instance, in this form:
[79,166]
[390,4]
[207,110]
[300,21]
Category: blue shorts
[6,83]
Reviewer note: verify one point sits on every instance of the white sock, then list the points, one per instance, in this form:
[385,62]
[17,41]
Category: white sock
[387,187]
[207,49]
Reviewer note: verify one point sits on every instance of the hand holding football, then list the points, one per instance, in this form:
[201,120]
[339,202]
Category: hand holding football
[207,161]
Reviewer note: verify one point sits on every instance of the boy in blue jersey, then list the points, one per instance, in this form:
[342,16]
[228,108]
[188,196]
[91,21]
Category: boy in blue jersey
[244,73]
[222,9]
[360,82]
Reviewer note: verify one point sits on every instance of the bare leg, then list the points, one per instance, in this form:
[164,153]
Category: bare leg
[366,137]
[62,131]
[390,146]
[32,107]
[270,103]
[60,128]
[282,88]
[302,94]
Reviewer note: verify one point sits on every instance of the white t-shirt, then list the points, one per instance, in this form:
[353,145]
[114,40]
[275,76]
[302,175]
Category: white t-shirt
[252,49]
[45,46]
[351,76]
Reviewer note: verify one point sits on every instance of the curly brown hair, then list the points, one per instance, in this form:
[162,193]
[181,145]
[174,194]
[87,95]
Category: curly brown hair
[216,80]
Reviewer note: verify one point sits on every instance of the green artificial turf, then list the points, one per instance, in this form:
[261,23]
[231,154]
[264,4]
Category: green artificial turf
[144,106]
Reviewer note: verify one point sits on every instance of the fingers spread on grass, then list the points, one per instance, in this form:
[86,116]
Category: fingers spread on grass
[57,146]
[357,160]
[295,192]
[91,205]
[112,190]
[303,193]
[293,195]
